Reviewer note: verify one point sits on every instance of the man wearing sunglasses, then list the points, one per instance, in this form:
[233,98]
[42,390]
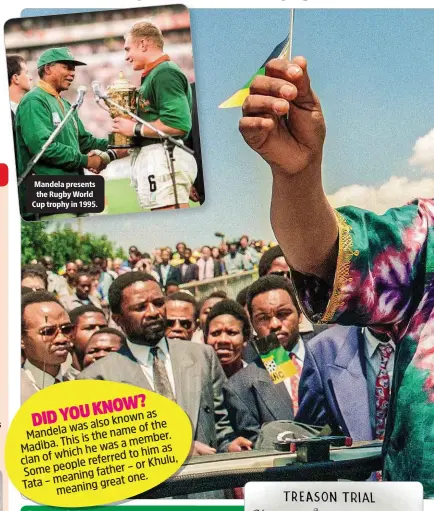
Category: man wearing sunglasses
[45,339]
[181,310]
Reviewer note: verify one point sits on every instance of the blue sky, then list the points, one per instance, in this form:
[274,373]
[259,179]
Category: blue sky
[373,71]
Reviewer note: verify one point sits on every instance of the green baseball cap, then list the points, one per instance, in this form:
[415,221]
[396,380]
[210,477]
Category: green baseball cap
[58,55]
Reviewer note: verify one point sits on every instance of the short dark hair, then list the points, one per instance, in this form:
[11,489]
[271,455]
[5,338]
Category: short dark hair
[182,296]
[267,260]
[109,330]
[83,273]
[14,65]
[172,283]
[93,270]
[268,283]
[242,296]
[122,282]
[234,309]
[40,296]
[214,294]
[35,270]
[76,313]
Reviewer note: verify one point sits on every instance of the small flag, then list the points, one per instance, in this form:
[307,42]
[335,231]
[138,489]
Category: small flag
[275,358]
[279,52]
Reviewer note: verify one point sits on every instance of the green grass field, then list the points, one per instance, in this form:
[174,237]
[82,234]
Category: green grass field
[120,197]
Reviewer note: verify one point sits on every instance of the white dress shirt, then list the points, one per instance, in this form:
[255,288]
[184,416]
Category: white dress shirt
[145,358]
[14,107]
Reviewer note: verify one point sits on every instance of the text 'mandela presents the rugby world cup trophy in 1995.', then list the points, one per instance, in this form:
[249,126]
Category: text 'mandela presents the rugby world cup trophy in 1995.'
[123,93]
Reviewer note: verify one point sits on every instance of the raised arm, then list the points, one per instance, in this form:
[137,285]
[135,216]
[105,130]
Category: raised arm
[283,122]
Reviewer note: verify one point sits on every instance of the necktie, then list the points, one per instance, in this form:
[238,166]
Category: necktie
[161,380]
[382,391]
[295,380]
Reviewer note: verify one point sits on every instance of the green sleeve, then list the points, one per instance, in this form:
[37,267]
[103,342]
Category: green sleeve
[171,99]
[35,131]
[87,141]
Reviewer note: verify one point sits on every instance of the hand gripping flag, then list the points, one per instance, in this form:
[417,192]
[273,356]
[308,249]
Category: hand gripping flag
[275,358]
[281,51]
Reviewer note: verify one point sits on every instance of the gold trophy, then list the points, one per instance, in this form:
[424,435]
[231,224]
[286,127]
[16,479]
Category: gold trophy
[123,93]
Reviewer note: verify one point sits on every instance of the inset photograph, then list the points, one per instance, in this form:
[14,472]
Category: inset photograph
[108,93]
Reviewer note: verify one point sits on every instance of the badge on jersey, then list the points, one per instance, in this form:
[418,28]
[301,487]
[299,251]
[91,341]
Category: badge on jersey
[56,119]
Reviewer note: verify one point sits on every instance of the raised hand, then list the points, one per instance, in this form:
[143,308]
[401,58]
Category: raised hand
[282,118]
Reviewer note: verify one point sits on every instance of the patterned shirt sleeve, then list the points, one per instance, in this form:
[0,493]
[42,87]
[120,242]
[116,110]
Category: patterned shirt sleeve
[380,271]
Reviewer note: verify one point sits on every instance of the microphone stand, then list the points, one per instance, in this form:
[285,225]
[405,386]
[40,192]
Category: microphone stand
[50,140]
[168,149]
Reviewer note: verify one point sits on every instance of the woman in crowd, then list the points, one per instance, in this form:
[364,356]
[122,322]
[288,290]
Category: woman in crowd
[228,330]
[205,305]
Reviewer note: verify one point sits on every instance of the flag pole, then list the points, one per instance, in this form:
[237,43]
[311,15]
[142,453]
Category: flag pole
[291,31]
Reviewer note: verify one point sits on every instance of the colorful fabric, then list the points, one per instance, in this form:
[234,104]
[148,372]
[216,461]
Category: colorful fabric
[382,392]
[237,99]
[278,364]
[385,278]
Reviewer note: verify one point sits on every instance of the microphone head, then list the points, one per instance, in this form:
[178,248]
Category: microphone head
[82,89]
[96,85]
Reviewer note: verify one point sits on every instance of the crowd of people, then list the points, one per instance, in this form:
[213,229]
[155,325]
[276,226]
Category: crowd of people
[131,322]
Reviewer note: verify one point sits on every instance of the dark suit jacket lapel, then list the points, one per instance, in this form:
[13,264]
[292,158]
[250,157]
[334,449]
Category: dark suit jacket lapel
[132,372]
[275,396]
[348,379]
[186,375]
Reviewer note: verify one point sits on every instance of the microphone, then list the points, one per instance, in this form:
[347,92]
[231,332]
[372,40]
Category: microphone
[81,91]
[96,87]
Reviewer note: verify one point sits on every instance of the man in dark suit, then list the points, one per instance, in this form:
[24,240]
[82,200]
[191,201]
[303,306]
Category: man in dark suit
[338,380]
[189,270]
[166,271]
[251,396]
[185,372]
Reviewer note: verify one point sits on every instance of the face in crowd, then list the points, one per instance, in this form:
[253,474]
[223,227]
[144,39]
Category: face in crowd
[206,307]
[142,313]
[71,272]
[180,320]
[33,282]
[46,338]
[84,284]
[225,335]
[100,345]
[86,326]
[279,266]
[206,253]
[165,256]
[244,242]
[274,312]
[171,288]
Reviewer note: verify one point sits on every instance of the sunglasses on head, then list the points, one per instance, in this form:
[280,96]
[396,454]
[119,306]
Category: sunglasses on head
[53,330]
[185,323]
